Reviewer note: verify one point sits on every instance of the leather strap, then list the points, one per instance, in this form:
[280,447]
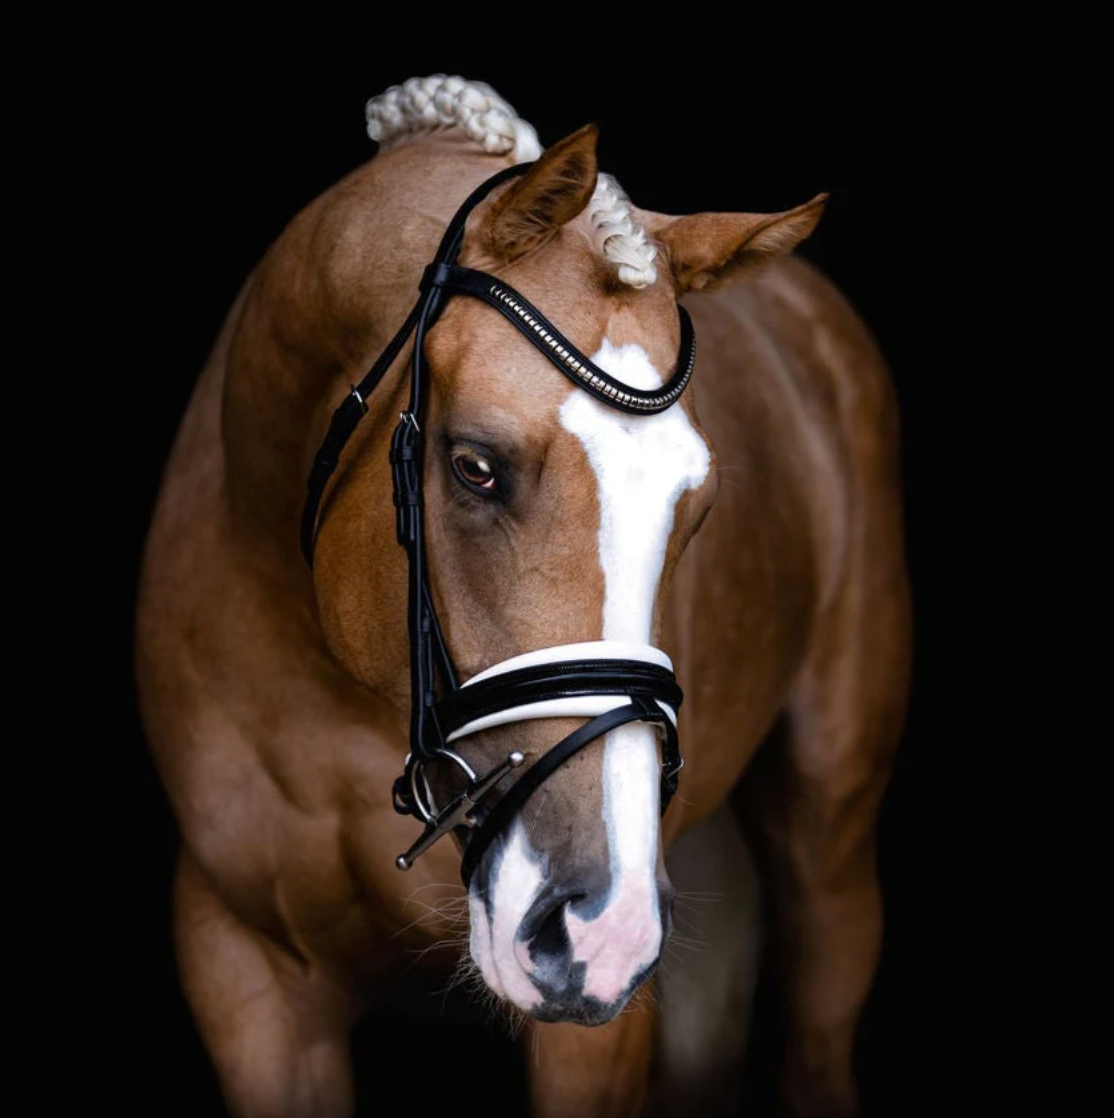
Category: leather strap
[552,344]
[558,681]
[354,406]
[505,809]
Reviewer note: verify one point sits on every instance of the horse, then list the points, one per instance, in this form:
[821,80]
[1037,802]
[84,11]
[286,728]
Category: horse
[749,536]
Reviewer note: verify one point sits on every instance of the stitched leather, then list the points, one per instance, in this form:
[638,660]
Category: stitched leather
[500,295]
[557,681]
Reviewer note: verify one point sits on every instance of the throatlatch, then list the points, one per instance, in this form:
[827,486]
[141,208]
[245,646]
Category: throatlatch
[611,683]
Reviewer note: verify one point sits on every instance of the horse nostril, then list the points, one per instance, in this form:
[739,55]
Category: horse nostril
[543,926]
[551,937]
[543,938]
[585,945]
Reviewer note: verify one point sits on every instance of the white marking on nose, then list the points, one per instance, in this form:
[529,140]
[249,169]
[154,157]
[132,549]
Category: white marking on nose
[479,940]
[513,884]
[643,464]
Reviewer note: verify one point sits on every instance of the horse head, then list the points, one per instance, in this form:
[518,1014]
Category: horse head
[550,519]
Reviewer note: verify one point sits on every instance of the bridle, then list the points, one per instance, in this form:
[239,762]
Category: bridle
[609,682]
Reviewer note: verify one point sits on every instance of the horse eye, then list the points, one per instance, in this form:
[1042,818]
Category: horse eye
[474,470]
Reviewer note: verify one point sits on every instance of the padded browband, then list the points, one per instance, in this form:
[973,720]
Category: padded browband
[548,340]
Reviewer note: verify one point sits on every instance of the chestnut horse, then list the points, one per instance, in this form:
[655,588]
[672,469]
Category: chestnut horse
[276,697]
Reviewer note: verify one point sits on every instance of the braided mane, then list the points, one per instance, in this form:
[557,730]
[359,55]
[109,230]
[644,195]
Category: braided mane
[438,102]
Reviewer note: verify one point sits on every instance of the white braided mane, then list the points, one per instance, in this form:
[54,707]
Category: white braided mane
[619,236]
[440,101]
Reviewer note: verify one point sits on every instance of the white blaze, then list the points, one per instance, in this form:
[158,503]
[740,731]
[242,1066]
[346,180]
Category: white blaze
[642,463]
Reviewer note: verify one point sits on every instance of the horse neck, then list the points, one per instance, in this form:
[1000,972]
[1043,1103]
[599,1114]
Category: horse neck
[322,304]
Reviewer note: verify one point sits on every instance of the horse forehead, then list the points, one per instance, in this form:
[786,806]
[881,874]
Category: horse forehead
[664,452]
[487,368]
[480,360]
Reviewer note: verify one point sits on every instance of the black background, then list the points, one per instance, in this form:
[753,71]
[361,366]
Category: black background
[206,154]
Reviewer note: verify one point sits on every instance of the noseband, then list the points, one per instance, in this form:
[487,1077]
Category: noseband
[609,682]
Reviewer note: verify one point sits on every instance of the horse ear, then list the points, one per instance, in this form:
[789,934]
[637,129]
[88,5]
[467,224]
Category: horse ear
[552,192]
[708,250]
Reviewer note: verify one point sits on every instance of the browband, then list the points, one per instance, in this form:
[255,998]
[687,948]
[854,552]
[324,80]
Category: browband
[599,680]
[534,326]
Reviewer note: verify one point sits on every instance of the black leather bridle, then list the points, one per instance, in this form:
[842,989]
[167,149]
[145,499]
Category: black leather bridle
[614,684]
